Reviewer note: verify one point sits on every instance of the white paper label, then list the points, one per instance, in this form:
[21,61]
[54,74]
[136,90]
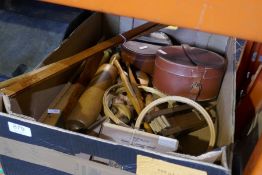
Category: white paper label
[53,111]
[161,51]
[139,142]
[19,129]
[168,142]
[143,47]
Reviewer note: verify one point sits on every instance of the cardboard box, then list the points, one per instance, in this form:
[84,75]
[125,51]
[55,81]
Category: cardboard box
[50,150]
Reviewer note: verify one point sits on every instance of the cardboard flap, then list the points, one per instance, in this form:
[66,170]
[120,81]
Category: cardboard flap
[226,100]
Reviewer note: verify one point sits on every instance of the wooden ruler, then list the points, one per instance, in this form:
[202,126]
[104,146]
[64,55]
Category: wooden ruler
[51,70]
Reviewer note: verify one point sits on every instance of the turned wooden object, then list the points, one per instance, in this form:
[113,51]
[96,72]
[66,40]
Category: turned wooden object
[89,105]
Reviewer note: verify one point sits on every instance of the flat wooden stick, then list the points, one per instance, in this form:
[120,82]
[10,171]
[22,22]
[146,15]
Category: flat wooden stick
[53,69]
[13,80]
[128,87]
[135,86]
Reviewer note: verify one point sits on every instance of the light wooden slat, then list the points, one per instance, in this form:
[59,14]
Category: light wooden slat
[51,70]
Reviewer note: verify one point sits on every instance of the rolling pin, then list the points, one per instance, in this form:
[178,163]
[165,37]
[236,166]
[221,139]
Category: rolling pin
[89,104]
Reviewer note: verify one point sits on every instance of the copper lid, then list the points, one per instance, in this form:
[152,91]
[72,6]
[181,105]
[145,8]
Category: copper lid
[141,48]
[168,58]
[191,56]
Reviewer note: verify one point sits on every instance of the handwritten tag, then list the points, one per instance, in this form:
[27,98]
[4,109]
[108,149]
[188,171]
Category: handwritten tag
[143,47]
[19,129]
[53,111]
[150,166]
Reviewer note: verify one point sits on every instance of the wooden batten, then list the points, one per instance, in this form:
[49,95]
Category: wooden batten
[51,70]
